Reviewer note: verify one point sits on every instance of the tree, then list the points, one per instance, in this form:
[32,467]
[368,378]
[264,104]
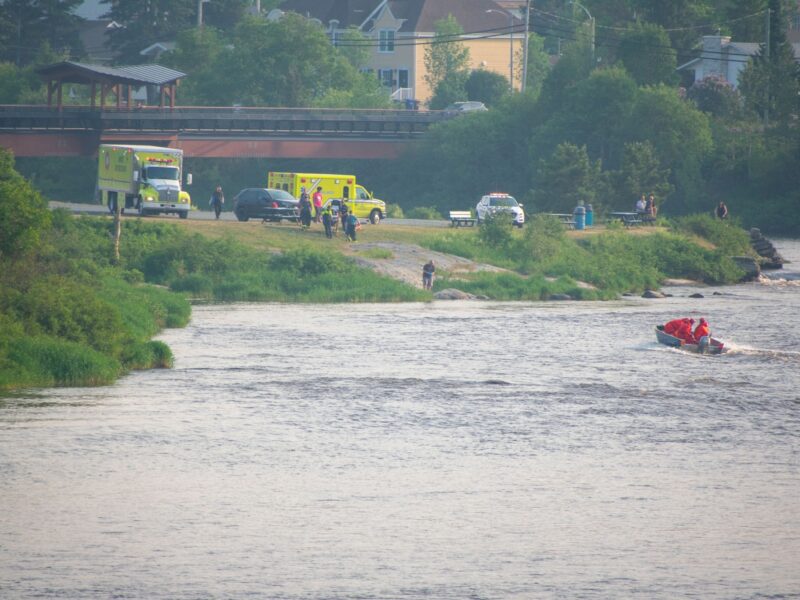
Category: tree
[486,86]
[24,216]
[646,53]
[595,113]
[446,58]
[770,82]
[680,135]
[714,95]
[641,173]
[566,179]
[538,63]
[144,23]
[679,17]
[27,25]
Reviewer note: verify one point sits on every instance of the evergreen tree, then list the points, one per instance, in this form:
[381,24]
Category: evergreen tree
[566,179]
[770,82]
[26,26]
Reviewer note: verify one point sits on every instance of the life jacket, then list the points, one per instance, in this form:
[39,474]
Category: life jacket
[701,330]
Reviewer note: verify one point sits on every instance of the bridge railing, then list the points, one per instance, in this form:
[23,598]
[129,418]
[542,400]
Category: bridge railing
[234,120]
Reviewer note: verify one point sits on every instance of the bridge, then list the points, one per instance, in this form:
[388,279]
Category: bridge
[208,132]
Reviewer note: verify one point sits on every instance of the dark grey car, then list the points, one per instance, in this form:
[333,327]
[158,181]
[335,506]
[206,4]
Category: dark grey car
[265,203]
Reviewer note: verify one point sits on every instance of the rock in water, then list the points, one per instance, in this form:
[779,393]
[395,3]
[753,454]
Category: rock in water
[453,294]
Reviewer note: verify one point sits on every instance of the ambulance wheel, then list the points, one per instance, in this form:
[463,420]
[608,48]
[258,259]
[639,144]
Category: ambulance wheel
[140,206]
[184,214]
[375,217]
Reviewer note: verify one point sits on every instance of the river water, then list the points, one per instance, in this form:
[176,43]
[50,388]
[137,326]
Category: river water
[440,450]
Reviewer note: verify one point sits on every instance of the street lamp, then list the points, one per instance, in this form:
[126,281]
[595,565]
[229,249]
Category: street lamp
[591,20]
[510,43]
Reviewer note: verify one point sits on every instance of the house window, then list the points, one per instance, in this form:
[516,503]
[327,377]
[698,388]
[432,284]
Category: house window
[402,78]
[385,75]
[387,40]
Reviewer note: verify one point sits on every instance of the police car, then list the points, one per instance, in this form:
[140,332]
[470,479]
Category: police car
[494,203]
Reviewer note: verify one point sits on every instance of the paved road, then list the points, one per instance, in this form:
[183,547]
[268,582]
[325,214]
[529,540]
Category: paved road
[206,215]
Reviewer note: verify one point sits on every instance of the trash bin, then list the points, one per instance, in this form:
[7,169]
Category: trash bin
[580,217]
[589,215]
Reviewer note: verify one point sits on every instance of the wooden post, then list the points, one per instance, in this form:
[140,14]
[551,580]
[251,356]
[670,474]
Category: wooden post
[117,226]
[60,89]
[94,94]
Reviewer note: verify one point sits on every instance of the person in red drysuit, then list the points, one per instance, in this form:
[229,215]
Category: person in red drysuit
[685,332]
[701,329]
[672,326]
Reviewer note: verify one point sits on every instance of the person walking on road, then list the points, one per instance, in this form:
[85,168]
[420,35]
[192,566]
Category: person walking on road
[217,201]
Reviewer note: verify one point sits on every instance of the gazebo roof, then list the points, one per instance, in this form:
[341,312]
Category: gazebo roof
[138,75]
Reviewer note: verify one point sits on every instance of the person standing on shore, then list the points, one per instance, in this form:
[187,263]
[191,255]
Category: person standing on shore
[428,270]
[217,201]
[721,211]
[317,201]
[327,221]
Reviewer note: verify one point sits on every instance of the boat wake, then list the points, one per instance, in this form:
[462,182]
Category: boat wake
[790,356]
[793,280]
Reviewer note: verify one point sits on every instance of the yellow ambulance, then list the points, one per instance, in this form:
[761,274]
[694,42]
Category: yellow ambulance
[334,187]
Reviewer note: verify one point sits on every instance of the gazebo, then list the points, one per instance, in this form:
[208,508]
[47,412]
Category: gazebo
[114,80]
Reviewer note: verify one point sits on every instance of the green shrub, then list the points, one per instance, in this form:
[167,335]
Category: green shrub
[430,213]
[394,211]
[727,236]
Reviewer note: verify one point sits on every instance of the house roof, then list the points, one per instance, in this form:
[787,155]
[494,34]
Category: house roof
[75,72]
[417,15]
[732,51]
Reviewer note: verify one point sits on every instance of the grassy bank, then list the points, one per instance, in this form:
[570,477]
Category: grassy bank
[69,316]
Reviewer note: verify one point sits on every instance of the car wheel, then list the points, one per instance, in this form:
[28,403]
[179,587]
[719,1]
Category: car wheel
[242,217]
[184,214]
[375,217]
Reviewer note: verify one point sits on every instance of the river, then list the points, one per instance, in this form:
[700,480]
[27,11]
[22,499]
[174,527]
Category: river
[440,450]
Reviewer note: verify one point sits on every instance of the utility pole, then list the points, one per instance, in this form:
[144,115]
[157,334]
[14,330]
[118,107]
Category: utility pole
[769,70]
[200,12]
[525,48]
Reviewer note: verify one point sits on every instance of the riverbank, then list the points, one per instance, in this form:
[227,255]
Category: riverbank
[165,262]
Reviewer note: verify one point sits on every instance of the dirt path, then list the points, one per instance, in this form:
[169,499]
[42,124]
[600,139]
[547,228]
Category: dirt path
[406,260]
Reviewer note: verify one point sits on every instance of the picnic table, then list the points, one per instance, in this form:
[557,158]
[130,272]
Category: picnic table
[629,219]
[461,217]
[567,219]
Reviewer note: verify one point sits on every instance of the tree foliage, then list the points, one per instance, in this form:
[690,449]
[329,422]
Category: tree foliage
[486,86]
[446,59]
[27,26]
[566,179]
[770,82]
[646,53]
[23,212]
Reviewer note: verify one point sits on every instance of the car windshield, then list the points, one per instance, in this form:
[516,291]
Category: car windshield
[281,195]
[504,201]
[162,173]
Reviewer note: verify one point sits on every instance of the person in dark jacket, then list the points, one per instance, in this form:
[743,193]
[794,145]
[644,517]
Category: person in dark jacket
[217,201]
